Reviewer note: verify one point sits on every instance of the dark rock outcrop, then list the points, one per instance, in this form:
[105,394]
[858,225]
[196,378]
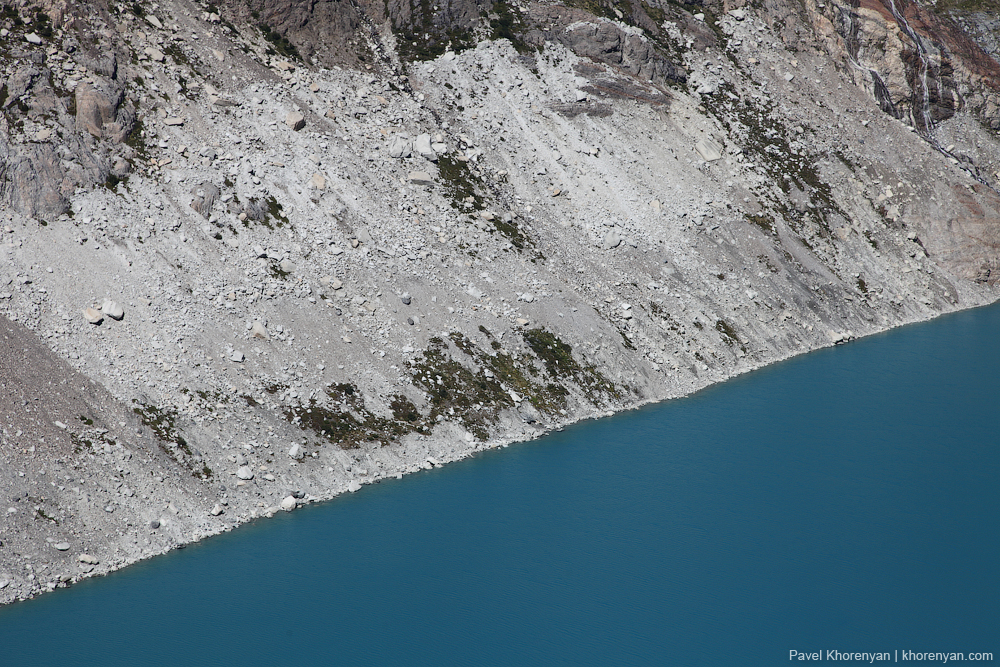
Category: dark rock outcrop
[606,42]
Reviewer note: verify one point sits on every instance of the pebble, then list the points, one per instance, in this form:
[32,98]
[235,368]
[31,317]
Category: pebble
[708,150]
[244,473]
[422,145]
[400,147]
[296,452]
[112,309]
[295,120]
[257,330]
[93,315]
[288,503]
[32,38]
[237,356]
[154,524]
[287,265]
[61,546]
[216,511]
[87,558]
[406,299]
[611,240]
[420,178]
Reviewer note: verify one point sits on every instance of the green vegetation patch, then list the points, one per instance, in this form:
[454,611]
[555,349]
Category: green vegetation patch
[279,42]
[759,130]
[42,25]
[264,212]
[162,421]
[467,190]
[764,220]
[135,138]
[425,40]
[41,513]
[345,421]
[455,390]
[562,366]
[729,335]
[459,184]
[477,398]
[506,23]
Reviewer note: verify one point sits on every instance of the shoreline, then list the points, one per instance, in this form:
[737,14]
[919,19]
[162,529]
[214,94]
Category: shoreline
[466,453]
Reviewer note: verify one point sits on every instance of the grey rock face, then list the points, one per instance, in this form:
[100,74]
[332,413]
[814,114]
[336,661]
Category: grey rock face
[605,42]
[20,82]
[33,181]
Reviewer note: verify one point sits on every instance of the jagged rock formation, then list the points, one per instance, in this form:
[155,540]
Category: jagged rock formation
[920,65]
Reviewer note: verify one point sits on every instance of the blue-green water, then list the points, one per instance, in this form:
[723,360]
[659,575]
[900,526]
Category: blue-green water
[842,500]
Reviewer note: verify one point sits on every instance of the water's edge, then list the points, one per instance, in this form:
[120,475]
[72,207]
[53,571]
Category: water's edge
[465,450]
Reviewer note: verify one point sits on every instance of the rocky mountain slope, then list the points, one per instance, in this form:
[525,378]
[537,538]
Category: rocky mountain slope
[257,254]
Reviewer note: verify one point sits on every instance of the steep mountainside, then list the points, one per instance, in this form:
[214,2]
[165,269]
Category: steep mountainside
[256,254]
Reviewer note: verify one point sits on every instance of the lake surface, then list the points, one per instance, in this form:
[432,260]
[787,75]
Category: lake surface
[847,499]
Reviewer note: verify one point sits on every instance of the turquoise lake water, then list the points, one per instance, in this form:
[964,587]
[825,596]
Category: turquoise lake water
[847,499]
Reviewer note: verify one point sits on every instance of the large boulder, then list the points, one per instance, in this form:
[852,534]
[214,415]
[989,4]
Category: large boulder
[422,145]
[93,110]
[33,181]
[400,147]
